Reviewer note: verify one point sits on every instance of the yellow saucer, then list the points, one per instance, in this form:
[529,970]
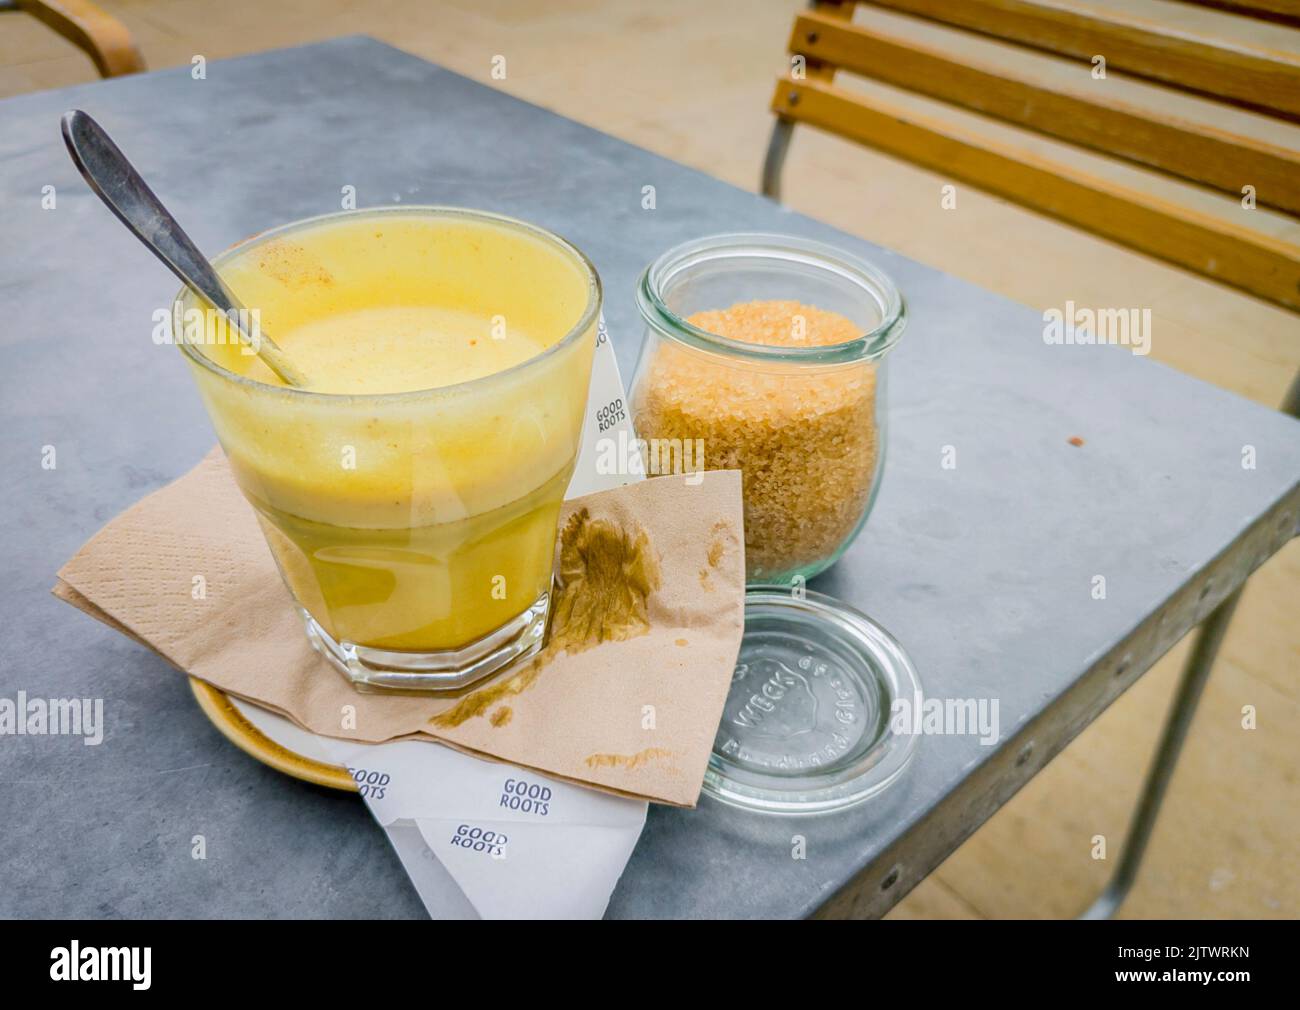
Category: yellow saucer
[251,740]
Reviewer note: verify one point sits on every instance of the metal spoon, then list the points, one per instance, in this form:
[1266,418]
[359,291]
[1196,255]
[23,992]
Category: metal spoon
[116,182]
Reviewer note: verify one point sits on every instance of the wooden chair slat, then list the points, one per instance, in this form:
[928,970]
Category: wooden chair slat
[1266,266]
[1282,11]
[1195,151]
[836,12]
[1261,78]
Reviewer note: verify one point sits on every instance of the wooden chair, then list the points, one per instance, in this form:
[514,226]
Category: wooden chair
[100,35]
[1262,80]
[824,40]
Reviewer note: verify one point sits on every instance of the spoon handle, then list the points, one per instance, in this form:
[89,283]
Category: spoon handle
[115,181]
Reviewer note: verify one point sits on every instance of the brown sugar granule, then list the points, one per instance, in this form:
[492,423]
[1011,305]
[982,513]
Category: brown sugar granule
[804,437]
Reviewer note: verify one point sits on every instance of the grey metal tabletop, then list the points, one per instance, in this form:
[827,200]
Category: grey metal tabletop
[984,571]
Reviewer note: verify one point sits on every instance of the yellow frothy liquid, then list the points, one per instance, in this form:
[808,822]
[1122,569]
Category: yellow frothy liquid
[425,520]
[399,348]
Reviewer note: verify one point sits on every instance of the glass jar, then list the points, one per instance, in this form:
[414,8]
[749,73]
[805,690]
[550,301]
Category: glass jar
[766,353]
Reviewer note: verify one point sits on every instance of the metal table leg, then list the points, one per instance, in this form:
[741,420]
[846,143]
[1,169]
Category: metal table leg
[1195,674]
[777,147]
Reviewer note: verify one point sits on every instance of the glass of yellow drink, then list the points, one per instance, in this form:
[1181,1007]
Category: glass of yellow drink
[410,493]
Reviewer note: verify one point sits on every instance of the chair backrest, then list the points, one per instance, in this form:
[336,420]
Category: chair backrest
[100,35]
[1245,164]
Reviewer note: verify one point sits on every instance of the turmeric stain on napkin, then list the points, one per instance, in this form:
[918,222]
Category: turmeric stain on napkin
[716,551]
[627,761]
[606,575]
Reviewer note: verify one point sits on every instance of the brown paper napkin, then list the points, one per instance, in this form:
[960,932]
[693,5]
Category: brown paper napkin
[635,716]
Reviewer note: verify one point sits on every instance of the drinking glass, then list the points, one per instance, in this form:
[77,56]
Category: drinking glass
[415,530]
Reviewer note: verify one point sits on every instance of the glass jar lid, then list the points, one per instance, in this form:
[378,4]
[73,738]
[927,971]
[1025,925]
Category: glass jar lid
[806,727]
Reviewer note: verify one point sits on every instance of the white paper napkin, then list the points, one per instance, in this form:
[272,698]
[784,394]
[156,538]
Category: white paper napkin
[482,839]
